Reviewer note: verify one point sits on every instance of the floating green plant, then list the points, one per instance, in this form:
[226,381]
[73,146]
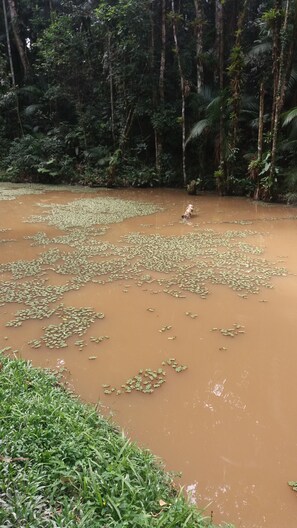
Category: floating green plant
[91,211]
[165,328]
[192,315]
[13,192]
[146,380]
[75,321]
[185,264]
[230,332]
[98,339]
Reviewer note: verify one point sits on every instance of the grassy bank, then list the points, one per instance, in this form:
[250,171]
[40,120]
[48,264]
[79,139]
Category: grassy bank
[62,465]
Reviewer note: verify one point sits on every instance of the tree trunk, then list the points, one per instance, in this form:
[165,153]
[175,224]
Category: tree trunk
[220,74]
[8,44]
[199,44]
[127,129]
[154,88]
[236,82]
[237,64]
[220,42]
[12,68]
[158,134]
[111,91]
[261,122]
[183,95]
[276,46]
[260,140]
[163,55]
[17,37]
[280,93]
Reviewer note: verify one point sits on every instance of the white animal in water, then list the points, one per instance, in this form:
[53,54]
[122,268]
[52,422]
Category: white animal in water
[188,212]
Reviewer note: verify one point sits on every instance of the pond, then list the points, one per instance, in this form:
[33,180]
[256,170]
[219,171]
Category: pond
[183,331]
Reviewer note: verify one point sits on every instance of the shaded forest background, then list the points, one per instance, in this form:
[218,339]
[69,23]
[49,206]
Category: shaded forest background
[151,92]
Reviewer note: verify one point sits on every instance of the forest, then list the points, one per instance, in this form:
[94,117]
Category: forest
[151,93]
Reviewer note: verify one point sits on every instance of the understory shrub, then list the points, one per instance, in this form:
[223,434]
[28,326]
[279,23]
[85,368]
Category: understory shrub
[40,158]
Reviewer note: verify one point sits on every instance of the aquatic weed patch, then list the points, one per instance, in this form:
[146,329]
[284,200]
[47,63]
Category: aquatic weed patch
[146,380]
[75,321]
[36,294]
[240,267]
[28,268]
[193,260]
[4,240]
[91,211]
[10,191]
[64,465]
[73,237]
[12,194]
[233,331]
[173,265]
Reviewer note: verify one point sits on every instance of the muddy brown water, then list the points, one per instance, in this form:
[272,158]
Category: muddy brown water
[228,422]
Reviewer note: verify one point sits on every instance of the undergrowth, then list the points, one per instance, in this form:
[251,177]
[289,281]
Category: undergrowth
[63,465]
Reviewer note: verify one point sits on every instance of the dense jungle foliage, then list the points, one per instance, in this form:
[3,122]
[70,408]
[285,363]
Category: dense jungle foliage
[151,92]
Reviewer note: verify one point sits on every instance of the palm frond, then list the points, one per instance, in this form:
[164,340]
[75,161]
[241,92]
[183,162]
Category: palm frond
[292,81]
[214,104]
[198,129]
[289,116]
[288,145]
[199,101]
[291,179]
[30,89]
[259,49]
[250,103]
[31,109]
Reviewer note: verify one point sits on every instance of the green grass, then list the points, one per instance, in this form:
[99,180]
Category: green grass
[62,465]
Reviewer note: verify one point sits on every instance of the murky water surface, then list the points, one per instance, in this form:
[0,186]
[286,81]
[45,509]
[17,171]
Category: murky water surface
[184,331]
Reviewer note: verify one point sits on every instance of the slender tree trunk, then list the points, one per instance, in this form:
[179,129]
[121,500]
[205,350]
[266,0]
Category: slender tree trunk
[280,92]
[163,55]
[220,42]
[8,44]
[199,44]
[260,139]
[17,37]
[158,133]
[111,90]
[154,87]
[237,63]
[236,82]
[261,122]
[183,94]
[127,128]
[292,49]
[12,68]
[220,74]
[276,46]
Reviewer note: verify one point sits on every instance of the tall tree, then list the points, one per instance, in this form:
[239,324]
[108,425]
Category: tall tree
[183,87]
[199,44]
[8,44]
[280,92]
[17,37]
[219,23]
[235,71]
[158,132]
[12,73]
